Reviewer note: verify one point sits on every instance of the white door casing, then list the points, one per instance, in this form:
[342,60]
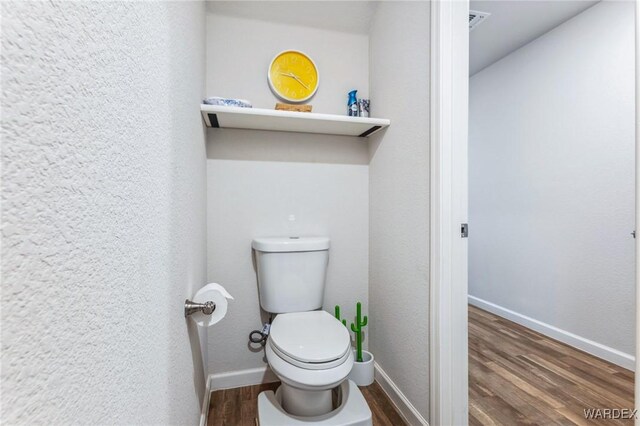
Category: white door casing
[448,211]
[637,380]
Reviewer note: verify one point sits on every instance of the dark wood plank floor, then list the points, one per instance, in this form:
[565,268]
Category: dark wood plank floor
[518,376]
[238,407]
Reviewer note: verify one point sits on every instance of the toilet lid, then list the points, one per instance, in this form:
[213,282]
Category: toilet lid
[313,337]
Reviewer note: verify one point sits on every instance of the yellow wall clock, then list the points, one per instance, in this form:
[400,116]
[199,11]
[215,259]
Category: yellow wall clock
[293,76]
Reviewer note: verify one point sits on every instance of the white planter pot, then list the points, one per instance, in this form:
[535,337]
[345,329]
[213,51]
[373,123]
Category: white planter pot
[362,372]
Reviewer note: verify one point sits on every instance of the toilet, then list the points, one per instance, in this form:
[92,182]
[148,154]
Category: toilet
[307,348]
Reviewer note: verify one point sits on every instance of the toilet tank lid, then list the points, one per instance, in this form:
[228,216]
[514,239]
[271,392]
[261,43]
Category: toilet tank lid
[290,244]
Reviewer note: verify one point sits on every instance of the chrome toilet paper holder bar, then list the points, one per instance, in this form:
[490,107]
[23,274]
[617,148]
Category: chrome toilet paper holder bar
[206,308]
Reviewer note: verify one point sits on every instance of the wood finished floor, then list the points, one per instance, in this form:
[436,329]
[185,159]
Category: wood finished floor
[238,407]
[518,376]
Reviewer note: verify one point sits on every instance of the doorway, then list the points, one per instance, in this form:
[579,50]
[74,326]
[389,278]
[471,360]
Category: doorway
[449,251]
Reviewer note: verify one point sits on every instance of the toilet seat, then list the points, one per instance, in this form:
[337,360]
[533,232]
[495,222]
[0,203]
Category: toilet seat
[309,350]
[313,340]
[308,365]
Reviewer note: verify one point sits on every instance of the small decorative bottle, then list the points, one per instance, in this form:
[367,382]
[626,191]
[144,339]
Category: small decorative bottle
[363,107]
[352,104]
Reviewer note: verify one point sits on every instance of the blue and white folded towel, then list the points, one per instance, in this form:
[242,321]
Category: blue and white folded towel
[216,100]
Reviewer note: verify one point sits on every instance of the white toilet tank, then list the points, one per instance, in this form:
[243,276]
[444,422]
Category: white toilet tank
[291,273]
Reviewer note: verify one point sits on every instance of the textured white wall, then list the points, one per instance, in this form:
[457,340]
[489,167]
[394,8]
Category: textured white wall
[256,179]
[399,198]
[551,154]
[103,211]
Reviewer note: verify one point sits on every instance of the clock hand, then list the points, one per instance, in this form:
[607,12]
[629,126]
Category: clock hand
[300,81]
[296,78]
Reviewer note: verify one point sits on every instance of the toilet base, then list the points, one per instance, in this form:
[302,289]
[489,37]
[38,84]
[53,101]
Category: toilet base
[304,403]
[352,410]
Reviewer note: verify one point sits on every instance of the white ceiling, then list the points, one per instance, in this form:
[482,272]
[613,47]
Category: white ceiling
[513,24]
[346,16]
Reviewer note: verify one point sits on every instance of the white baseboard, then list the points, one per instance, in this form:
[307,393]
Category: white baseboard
[402,404]
[206,400]
[594,348]
[240,378]
[234,379]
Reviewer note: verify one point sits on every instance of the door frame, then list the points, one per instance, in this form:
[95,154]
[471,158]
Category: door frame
[449,98]
[637,380]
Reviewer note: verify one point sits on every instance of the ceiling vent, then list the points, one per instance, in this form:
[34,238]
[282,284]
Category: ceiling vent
[476,18]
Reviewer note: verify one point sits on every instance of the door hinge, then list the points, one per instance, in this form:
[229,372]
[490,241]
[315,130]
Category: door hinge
[464,230]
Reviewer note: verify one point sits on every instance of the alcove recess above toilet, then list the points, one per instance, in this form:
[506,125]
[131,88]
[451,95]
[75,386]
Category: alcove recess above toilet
[216,116]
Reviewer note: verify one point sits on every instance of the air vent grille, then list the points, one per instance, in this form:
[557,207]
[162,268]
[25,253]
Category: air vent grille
[476,18]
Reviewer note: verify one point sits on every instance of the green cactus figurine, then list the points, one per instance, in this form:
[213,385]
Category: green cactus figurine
[344,321]
[357,329]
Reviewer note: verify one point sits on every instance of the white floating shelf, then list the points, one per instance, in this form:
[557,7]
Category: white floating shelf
[290,121]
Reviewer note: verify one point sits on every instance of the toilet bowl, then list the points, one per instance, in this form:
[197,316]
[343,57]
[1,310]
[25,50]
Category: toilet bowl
[307,348]
[311,354]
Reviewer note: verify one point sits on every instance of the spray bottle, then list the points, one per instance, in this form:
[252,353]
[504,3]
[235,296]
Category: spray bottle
[352,104]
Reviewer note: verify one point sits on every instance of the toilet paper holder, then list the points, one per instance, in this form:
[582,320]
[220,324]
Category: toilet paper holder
[206,308]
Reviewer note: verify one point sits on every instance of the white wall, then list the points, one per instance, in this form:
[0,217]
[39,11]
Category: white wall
[254,198]
[256,179]
[239,52]
[399,198]
[103,213]
[551,150]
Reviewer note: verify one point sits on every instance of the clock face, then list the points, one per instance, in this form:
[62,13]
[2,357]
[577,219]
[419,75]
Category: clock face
[293,76]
